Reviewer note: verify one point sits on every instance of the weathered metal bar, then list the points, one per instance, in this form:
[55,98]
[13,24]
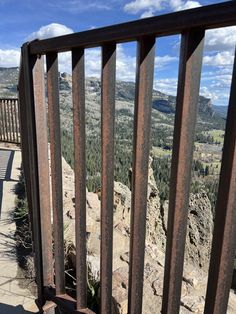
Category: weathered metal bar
[1,122]
[31,162]
[9,119]
[185,120]
[43,170]
[12,122]
[78,92]
[56,169]
[17,120]
[8,122]
[3,116]
[24,145]
[224,237]
[5,120]
[206,17]
[142,119]
[107,173]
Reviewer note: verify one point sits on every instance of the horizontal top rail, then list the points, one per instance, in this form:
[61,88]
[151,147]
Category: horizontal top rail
[206,17]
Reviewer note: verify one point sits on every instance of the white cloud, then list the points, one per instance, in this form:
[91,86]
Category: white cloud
[136,6]
[9,58]
[221,39]
[167,85]
[125,64]
[150,7]
[178,5]
[225,58]
[162,61]
[93,62]
[79,6]
[208,93]
[146,14]
[50,30]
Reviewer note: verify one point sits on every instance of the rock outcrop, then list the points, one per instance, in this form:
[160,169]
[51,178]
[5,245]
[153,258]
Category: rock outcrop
[198,244]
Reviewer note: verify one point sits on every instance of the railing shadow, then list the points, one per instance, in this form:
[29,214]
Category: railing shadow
[6,160]
[9,309]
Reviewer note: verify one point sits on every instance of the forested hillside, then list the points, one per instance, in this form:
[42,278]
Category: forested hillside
[208,141]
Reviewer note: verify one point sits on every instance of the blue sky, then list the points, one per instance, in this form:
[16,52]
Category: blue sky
[27,19]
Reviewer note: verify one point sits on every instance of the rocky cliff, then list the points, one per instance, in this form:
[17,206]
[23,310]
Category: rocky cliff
[198,243]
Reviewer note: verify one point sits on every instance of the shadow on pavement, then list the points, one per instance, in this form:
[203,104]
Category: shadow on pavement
[6,160]
[10,309]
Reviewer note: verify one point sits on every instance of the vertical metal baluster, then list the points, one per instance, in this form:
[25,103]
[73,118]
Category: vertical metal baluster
[9,119]
[12,122]
[17,121]
[1,122]
[142,122]
[224,237]
[107,174]
[56,169]
[5,118]
[43,170]
[78,92]
[183,142]
[31,162]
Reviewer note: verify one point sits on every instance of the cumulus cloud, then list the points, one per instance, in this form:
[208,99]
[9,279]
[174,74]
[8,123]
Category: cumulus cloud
[50,30]
[167,85]
[144,5]
[150,7]
[162,61]
[79,6]
[146,14]
[224,58]
[178,5]
[221,39]
[208,93]
[9,58]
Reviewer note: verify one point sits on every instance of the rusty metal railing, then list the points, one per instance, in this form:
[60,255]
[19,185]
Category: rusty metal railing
[9,120]
[191,25]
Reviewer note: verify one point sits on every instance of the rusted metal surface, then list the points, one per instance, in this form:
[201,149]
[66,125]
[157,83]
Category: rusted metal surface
[24,145]
[12,120]
[28,128]
[107,173]
[5,119]
[9,131]
[224,238]
[16,116]
[56,169]
[185,120]
[78,92]
[65,302]
[206,17]
[2,122]
[9,119]
[142,122]
[43,170]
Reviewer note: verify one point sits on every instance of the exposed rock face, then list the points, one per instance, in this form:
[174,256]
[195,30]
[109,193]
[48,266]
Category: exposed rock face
[198,243]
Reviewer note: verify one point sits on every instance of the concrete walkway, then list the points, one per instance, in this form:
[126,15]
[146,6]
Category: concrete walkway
[15,298]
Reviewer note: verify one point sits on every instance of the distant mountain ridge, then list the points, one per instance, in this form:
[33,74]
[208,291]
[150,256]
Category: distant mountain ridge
[124,91]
